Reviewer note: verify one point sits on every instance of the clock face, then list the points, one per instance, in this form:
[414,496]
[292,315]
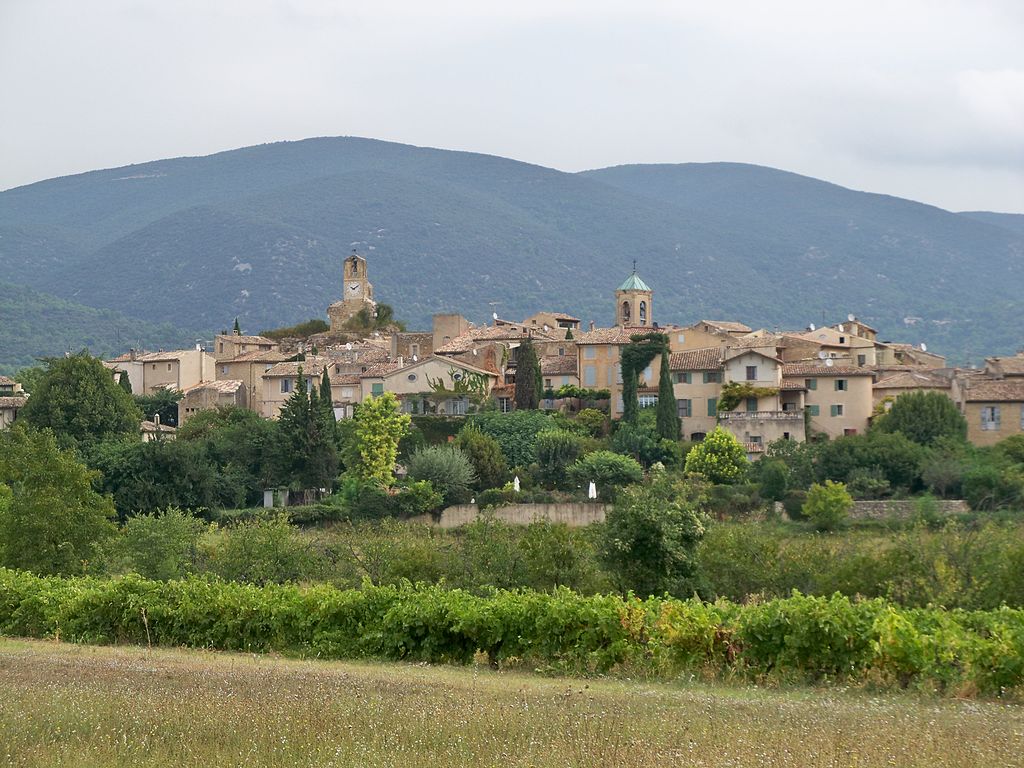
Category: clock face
[353,287]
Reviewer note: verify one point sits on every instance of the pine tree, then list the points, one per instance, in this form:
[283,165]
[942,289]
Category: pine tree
[667,418]
[528,381]
[238,328]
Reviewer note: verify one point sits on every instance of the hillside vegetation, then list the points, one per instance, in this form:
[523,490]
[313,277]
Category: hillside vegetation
[259,233]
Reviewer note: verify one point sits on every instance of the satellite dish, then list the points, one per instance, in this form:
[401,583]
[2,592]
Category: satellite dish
[829,362]
[822,354]
[851,317]
[924,347]
[474,352]
[415,358]
[840,328]
[494,315]
[812,326]
[545,327]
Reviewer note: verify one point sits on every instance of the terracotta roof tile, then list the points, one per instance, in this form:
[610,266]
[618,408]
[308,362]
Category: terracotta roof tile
[13,402]
[995,391]
[257,356]
[704,359]
[792,384]
[912,380]
[223,386]
[1007,366]
[804,369]
[728,326]
[246,339]
[558,365]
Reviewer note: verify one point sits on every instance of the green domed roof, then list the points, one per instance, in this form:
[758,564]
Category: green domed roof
[634,283]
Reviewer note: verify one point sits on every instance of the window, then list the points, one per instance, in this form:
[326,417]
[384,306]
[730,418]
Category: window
[346,393]
[643,313]
[222,346]
[561,351]
[589,376]
[813,410]
[849,431]
[411,377]
[625,312]
[751,373]
[789,407]
[862,360]
[682,338]
[589,353]
[168,366]
[457,407]
[785,436]
[684,408]
[755,440]
[751,404]
[547,383]
[505,404]
[682,378]
[286,385]
[811,383]
[712,406]
[377,389]
[842,339]
[619,406]
[648,401]
[223,370]
[565,381]
[990,418]
[414,349]
[609,373]
[712,377]
[842,385]
[836,410]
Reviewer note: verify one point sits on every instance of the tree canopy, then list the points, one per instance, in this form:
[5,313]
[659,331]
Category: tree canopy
[923,417]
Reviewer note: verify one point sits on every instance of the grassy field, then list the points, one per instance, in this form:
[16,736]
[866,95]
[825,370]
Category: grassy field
[91,706]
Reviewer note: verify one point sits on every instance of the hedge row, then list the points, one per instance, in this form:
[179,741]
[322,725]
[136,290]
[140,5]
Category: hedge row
[797,638]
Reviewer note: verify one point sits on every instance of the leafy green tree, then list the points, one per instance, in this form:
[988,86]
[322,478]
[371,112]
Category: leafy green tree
[1012,448]
[379,425]
[528,379]
[593,422]
[557,449]
[162,403]
[828,505]
[124,382]
[30,377]
[774,479]
[515,432]
[79,401]
[923,417]
[609,471]
[668,417]
[640,439]
[651,536]
[307,452]
[719,457]
[892,456]
[485,454]
[264,552]
[162,546]
[447,469]
[52,521]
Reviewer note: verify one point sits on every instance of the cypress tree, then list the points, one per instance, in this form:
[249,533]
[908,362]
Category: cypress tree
[327,401]
[568,334]
[667,418]
[238,328]
[124,382]
[528,381]
[630,402]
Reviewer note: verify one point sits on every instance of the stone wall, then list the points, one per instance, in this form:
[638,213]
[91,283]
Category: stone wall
[876,510]
[574,515]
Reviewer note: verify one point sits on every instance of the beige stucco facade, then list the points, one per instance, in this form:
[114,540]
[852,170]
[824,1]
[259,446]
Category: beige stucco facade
[210,395]
[435,385]
[838,398]
[152,371]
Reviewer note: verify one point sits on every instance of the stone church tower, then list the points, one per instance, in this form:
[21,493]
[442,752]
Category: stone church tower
[357,293]
[634,302]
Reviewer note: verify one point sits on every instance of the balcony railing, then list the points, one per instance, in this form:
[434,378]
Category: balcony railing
[761,416]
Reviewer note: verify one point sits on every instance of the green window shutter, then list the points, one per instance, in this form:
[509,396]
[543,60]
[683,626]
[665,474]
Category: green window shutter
[834,410]
[836,386]
[377,389]
[751,404]
[707,377]
[813,410]
[712,406]
[812,383]
[686,377]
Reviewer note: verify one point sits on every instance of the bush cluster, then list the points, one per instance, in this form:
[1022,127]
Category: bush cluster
[795,639]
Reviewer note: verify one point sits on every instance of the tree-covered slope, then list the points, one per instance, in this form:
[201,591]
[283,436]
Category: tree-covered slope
[35,325]
[260,233]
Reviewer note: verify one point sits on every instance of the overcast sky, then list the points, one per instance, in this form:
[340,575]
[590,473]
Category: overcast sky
[923,99]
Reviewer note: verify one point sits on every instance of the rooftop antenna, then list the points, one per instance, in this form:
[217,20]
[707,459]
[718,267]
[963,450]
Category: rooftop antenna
[634,266]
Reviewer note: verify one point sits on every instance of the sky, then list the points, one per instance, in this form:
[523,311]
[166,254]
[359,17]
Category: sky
[921,99]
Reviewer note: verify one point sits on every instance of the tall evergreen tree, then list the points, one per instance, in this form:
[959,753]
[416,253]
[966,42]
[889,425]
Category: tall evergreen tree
[327,401]
[238,328]
[668,418]
[124,382]
[528,380]
[630,402]
[307,454]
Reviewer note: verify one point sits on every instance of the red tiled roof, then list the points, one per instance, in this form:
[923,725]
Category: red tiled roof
[558,365]
[703,359]
[995,391]
[812,370]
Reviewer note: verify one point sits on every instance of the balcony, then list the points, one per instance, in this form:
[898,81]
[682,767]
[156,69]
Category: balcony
[738,417]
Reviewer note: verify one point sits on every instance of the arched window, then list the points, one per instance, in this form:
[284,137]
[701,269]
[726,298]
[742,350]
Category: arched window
[625,312]
[643,313]
[355,267]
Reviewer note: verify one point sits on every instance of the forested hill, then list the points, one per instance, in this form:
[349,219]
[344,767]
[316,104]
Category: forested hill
[260,232]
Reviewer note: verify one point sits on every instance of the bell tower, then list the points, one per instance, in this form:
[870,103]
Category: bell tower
[356,292]
[634,304]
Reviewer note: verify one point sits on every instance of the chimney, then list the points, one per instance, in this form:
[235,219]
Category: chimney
[591,325]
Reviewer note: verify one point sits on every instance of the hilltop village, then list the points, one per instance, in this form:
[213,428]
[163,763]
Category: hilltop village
[816,381]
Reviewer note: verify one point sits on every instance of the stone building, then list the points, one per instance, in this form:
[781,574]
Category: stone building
[357,294]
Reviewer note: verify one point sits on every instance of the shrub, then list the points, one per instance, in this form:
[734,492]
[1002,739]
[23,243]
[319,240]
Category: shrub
[593,421]
[262,552]
[827,505]
[923,417]
[447,469]
[485,454]
[515,432]
[556,450]
[719,457]
[774,479]
[160,546]
[609,471]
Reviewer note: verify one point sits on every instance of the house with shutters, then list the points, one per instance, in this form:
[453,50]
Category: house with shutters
[838,398]
[434,385]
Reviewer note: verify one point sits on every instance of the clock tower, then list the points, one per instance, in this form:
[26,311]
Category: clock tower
[357,293]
